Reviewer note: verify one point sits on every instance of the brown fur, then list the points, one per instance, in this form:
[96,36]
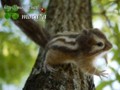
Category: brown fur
[81,56]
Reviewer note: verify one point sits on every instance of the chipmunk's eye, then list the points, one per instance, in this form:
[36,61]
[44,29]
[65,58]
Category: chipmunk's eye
[97,47]
[100,44]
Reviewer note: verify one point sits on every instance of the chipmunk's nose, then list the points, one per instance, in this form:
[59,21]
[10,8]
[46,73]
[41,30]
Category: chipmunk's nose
[108,45]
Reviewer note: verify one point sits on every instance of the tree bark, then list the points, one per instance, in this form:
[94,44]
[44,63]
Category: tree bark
[63,15]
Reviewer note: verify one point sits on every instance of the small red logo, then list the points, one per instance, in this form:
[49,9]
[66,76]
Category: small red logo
[42,10]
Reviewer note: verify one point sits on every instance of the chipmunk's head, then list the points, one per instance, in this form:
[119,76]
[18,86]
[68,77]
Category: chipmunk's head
[93,42]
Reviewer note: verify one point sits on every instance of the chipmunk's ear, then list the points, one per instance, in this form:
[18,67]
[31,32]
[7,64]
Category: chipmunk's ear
[85,31]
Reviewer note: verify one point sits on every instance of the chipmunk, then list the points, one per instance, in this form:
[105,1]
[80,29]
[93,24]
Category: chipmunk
[79,48]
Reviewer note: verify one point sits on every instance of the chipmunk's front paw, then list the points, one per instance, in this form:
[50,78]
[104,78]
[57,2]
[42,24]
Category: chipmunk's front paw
[102,74]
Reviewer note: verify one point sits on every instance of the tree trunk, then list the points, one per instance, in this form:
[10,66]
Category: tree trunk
[63,15]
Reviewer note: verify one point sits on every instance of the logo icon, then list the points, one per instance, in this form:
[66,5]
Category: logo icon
[11,12]
[42,10]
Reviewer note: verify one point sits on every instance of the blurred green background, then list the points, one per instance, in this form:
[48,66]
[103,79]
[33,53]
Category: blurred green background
[18,53]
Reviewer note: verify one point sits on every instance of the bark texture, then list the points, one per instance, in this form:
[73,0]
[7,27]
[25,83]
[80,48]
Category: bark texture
[63,15]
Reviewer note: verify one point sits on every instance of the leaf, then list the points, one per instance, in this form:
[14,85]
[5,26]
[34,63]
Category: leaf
[103,84]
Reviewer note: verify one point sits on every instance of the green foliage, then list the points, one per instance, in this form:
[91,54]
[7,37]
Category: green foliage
[16,57]
[108,11]
[17,53]
[103,84]
[35,2]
